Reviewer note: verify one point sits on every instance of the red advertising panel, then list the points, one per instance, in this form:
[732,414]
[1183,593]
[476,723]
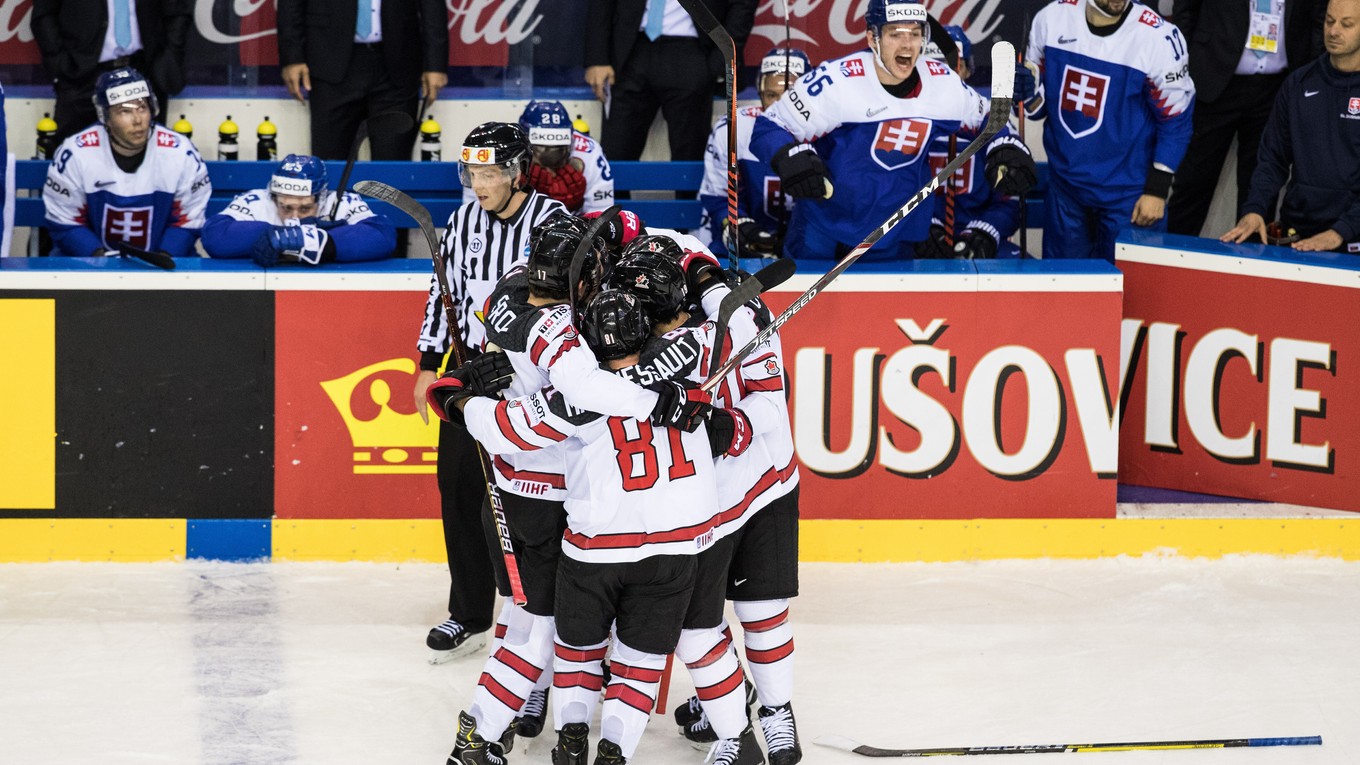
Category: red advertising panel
[1238,382]
[348,442]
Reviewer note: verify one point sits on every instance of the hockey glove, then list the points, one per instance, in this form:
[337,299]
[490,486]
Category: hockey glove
[316,246]
[1010,169]
[489,373]
[272,243]
[802,174]
[568,186]
[698,266]
[975,244]
[1026,82]
[444,394]
[679,405]
[935,246]
[729,432]
[623,229]
[754,240]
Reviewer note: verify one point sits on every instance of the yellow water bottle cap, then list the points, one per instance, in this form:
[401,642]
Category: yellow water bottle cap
[429,126]
[47,124]
[182,125]
[228,127]
[580,125]
[266,128]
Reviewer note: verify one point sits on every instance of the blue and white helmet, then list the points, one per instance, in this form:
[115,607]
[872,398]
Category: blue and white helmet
[299,175]
[881,12]
[789,61]
[119,86]
[547,123]
[961,41]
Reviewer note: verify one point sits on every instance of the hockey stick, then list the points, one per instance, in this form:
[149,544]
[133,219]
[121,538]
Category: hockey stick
[840,742]
[158,259]
[385,122]
[1020,128]
[417,211]
[1003,82]
[663,692]
[749,289]
[578,258]
[708,24]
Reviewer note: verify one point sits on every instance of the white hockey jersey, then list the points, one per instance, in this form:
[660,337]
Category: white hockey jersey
[93,205]
[357,233]
[589,158]
[758,189]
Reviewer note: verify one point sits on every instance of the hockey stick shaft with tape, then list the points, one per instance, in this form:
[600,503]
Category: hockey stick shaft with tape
[417,211]
[1003,83]
[710,26]
[379,124]
[849,745]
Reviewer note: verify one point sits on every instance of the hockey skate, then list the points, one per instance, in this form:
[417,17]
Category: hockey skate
[743,750]
[609,754]
[530,721]
[692,710]
[449,640]
[573,745]
[471,749]
[781,734]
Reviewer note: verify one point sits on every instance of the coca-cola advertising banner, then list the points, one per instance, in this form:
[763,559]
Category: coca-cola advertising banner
[1250,393]
[481,31]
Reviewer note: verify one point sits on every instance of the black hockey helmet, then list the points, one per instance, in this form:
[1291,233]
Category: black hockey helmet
[615,325]
[503,144]
[650,269]
[552,245]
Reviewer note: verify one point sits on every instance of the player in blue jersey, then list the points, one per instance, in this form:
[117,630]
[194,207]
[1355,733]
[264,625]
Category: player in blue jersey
[762,209]
[866,122]
[1113,79]
[972,219]
[126,181]
[298,220]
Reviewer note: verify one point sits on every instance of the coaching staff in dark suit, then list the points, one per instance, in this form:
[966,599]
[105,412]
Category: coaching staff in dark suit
[82,39]
[642,55]
[358,58]
[1235,84]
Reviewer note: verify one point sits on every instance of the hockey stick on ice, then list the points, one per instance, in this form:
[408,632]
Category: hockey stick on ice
[378,124]
[840,742]
[417,211]
[158,259]
[709,25]
[1003,83]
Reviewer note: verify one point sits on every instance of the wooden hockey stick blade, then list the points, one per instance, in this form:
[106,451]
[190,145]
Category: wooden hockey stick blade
[403,202]
[1003,85]
[749,289]
[158,259]
[850,745]
[578,258]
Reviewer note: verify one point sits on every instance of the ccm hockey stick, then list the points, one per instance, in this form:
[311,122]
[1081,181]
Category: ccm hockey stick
[378,124]
[840,742]
[708,24]
[1003,85]
[417,211]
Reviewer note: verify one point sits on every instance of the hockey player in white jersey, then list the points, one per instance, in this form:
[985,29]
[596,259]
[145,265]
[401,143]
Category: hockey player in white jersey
[624,564]
[1113,81]
[866,122]
[127,180]
[292,221]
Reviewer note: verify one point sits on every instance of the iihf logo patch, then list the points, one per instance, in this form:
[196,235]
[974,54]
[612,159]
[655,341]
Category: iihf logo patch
[852,68]
[1081,106]
[898,143]
[129,225]
[1353,106]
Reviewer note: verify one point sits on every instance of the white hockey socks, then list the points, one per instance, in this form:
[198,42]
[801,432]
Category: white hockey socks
[518,662]
[577,680]
[628,701]
[718,680]
[769,648]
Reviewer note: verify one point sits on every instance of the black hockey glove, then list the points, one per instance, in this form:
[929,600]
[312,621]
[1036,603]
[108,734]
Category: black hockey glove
[934,247]
[802,174]
[489,373]
[444,394]
[679,404]
[729,432]
[754,240]
[1010,169]
[974,244]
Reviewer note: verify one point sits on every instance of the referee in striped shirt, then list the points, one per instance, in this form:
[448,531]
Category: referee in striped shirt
[480,243]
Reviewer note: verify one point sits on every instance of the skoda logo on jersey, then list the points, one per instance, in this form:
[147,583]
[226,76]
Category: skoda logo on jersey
[899,142]
[1081,108]
[130,225]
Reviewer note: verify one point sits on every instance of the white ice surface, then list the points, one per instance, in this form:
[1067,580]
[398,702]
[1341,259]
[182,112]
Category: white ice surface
[220,663]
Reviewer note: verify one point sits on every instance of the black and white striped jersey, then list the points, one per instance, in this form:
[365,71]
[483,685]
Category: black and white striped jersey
[478,249]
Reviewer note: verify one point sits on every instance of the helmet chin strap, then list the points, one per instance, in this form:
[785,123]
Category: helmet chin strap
[1096,5]
[877,48]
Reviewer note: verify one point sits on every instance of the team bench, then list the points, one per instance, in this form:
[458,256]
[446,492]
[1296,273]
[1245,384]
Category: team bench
[435,185]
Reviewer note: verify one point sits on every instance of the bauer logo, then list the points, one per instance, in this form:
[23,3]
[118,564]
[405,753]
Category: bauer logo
[1081,108]
[128,225]
[899,142]
[385,440]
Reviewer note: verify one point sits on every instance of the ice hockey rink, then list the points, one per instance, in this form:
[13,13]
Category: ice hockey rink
[217,663]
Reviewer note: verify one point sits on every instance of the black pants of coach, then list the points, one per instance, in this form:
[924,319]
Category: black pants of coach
[366,90]
[671,74]
[472,590]
[1239,112]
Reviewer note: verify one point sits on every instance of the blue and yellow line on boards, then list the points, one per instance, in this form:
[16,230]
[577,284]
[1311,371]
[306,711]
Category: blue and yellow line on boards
[30,540]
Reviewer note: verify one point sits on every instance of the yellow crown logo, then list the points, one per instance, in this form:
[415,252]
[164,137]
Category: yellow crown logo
[390,441]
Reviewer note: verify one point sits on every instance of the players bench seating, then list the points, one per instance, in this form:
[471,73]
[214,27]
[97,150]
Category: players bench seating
[435,185]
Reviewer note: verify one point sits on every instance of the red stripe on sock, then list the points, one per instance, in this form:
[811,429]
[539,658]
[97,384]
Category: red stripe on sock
[519,664]
[580,654]
[640,674]
[714,653]
[630,696]
[502,694]
[765,625]
[733,682]
[771,655]
[587,680]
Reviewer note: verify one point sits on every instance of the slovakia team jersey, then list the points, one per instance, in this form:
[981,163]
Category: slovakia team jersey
[759,197]
[1115,104]
[634,490]
[92,204]
[363,235]
[976,204]
[545,350]
[589,158]
[874,144]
